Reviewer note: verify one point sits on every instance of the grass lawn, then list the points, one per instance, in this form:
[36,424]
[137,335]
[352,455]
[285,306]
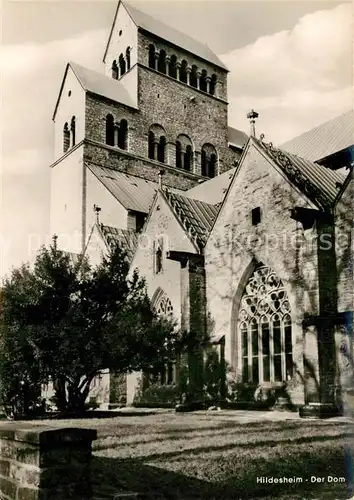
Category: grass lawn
[217,456]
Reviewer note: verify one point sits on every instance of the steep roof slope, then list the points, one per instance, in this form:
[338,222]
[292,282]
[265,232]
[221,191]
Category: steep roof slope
[213,190]
[319,183]
[196,217]
[97,83]
[322,141]
[126,238]
[165,32]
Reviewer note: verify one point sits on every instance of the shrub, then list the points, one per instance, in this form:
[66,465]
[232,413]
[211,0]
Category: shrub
[157,395]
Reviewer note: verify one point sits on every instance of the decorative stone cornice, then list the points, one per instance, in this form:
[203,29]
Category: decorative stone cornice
[296,175]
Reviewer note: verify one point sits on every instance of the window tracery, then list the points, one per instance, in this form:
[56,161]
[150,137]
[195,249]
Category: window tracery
[264,329]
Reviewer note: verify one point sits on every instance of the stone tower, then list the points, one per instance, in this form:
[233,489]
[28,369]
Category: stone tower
[162,103]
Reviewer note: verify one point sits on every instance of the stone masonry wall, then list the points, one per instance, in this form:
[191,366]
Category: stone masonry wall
[144,40]
[110,157]
[181,109]
[277,241]
[44,463]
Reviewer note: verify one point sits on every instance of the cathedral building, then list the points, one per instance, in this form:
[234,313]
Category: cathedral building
[238,239]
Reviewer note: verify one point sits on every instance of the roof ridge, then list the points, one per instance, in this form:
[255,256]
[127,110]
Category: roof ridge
[216,59]
[295,174]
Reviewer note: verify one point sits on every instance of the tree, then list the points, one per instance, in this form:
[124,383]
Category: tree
[66,322]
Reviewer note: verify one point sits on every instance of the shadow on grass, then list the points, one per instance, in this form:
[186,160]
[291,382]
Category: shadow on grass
[238,474]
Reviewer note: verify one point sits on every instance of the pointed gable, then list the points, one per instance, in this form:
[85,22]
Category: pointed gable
[161,30]
[196,217]
[96,83]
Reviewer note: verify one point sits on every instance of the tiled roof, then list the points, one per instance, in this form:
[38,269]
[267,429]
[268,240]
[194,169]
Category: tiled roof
[213,190]
[197,217]
[237,137]
[319,183]
[162,30]
[101,84]
[132,192]
[322,141]
[126,238]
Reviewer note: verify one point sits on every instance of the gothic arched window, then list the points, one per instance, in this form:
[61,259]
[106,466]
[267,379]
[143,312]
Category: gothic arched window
[264,329]
[164,308]
[184,152]
[66,137]
[152,60]
[123,134]
[110,130]
[121,65]
[127,56]
[178,154]
[115,70]
[73,131]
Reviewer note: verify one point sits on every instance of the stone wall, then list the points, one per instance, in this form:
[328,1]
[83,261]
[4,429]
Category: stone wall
[45,463]
[107,156]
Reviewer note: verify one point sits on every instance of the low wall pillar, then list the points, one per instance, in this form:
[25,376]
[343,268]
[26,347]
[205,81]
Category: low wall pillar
[45,463]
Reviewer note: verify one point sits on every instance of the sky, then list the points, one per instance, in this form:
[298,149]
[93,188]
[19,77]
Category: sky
[291,61]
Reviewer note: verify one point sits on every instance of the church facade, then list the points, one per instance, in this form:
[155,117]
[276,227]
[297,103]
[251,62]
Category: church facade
[236,238]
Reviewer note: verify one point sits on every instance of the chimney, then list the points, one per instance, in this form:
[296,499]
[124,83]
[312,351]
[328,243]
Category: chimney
[252,115]
[161,174]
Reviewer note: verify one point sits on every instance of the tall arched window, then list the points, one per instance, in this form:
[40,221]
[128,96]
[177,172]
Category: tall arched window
[193,77]
[161,64]
[157,143]
[203,81]
[121,65]
[66,137]
[123,134]
[184,152]
[151,152]
[183,72]
[127,57]
[162,149]
[173,66]
[115,70]
[73,131]
[188,158]
[178,154]
[152,60]
[110,130]
[264,329]
[208,161]
[212,85]
[164,308]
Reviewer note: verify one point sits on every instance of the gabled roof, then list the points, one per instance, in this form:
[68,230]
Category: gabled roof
[126,238]
[237,138]
[213,190]
[196,217]
[319,183]
[97,83]
[134,193]
[148,23]
[326,139]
